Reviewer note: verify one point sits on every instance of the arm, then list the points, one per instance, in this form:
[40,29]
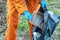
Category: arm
[43,7]
[22,9]
[19,5]
[43,4]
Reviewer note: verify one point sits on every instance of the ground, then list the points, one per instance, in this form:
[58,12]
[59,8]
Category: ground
[24,36]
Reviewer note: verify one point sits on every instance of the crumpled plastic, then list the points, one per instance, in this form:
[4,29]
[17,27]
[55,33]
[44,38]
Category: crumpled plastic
[50,23]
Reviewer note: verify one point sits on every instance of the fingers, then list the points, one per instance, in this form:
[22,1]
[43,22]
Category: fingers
[35,13]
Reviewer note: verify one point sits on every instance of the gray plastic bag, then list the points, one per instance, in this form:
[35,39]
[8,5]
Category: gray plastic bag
[50,22]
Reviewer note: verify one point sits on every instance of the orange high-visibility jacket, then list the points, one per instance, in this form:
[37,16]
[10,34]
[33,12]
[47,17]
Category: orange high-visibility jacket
[22,5]
[15,7]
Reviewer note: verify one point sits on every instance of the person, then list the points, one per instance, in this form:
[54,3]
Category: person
[23,7]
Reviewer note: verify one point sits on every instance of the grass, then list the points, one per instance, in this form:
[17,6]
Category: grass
[23,24]
[58,27]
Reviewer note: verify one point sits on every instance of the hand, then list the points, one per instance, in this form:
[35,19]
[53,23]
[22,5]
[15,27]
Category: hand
[43,4]
[27,15]
[35,13]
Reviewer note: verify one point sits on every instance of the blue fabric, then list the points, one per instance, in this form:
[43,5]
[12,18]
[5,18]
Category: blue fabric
[27,15]
[50,23]
[43,4]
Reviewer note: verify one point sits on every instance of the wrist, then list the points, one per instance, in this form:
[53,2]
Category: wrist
[27,15]
[25,12]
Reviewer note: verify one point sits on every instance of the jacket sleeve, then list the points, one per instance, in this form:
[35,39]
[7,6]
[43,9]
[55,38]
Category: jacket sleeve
[19,5]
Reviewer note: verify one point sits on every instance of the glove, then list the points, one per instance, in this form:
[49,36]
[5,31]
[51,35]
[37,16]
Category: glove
[43,4]
[27,15]
[43,7]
